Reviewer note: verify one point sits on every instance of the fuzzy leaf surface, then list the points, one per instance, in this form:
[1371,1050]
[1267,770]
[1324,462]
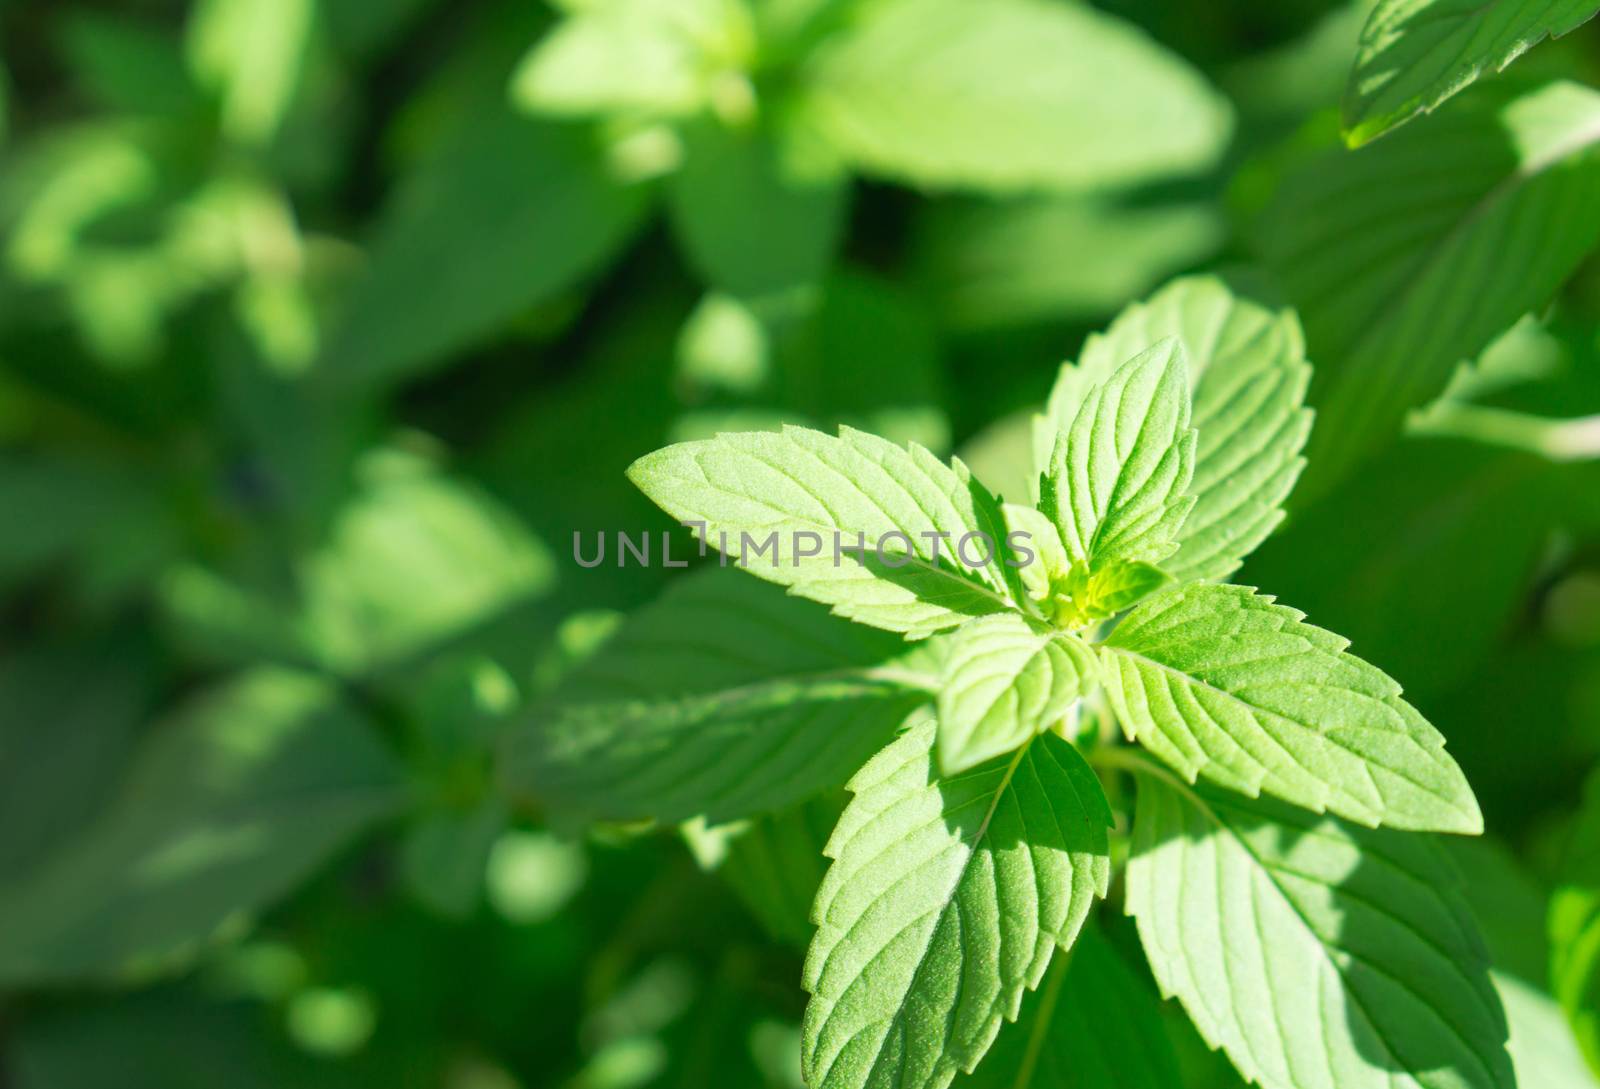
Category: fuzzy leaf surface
[1222,682]
[1316,954]
[806,490]
[943,905]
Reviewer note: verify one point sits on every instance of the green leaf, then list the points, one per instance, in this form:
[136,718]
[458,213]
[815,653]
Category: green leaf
[158,1039]
[1008,95]
[1510,910]
[1006,679]
[1314,953]
[943,906]
[1248,373]
[517,210]
[1415,54]
[1220,681]
[252,53]
[774,862]
[735,186]
[725,698]
[1409,256]
[227,807]
[1118,478]
[906,512]
[128,67]
[445,855]
[1450,515]
[63,742]
[1574,928]
[634,57]
[412,561]
[1093,1024]
[795,357]
[992,264]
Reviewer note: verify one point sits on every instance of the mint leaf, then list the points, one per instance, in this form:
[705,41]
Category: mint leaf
[1010,94]
[724,698]
[1314,953]
[1005,679]
[1415,54]
[736,185]
[1413,254]
[634,57]
[912,517]
[1085,597]
[252,55]
[774,862]
[1248,370]
[1220,681]
[1575,928]
[943,906]
[517,209]
[225,808]
[1117,479]
[1092,1024]
[1510,909]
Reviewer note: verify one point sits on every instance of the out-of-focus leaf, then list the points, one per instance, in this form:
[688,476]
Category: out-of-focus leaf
[414,559]
[1058,258]
[68,719]
[1510,910]
[725,698]
[225,809]
[104,524]
[1093,1024]
[1009,95]
[641,57]
[167,1040]
[514,210]
[445,856]
[128,67]
[1414,54]
[774,862]
[251,53]
[1412,255]
[1422,559]
[367,26]
[796,358]
[750,221]
[1574,927]
[1248,374]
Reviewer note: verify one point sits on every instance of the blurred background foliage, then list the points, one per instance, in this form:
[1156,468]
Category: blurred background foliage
[325,324]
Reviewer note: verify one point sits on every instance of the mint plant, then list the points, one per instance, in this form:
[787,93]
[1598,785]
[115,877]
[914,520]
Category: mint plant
[987,704]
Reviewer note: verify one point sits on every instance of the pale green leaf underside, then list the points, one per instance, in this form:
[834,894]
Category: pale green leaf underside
[1118,478]
[1220,682]
[725,698]
[943,906]
[1010,94]
[1415,54]
[1318,955]
[1093,1024]
[800,482]
[1005,679]
[1413,254]
[1248,374]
